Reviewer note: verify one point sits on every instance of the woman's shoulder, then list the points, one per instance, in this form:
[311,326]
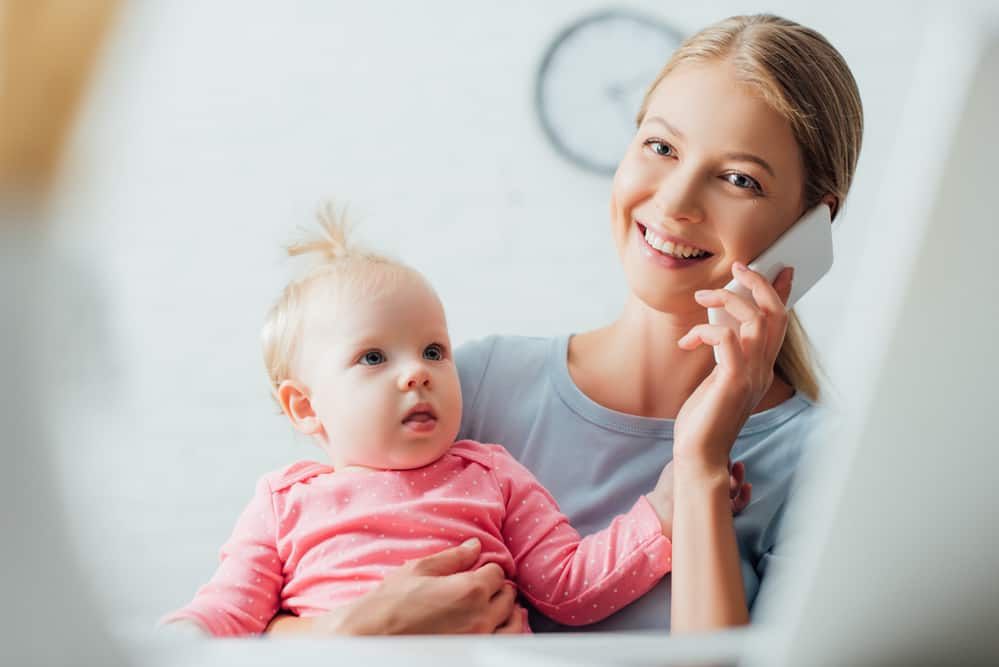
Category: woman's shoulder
[779,440]
[798,413]
[502,358]
[481,350]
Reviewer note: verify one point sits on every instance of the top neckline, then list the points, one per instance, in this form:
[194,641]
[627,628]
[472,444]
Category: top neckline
[621,422]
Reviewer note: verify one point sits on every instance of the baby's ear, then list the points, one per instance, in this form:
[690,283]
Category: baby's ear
[297,405]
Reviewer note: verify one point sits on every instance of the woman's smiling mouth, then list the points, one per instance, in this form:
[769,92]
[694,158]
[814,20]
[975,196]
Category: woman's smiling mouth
[672,249]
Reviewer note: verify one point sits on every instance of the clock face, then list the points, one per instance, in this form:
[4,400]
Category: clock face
[592,80]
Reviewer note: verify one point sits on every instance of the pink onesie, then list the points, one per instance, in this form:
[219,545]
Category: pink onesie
[312,539]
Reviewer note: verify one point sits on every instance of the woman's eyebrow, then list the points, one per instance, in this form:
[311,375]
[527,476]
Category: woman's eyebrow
[741,157]
[749,157]
[662,121]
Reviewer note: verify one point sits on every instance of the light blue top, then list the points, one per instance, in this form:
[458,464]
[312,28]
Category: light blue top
[595,461]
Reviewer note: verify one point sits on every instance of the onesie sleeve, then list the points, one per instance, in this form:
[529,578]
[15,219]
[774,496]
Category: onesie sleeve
[244,593]
[574,580]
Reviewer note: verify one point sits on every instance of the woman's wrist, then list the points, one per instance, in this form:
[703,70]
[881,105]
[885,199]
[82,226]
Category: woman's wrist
[285,625]
[700,465]
[701,473]
[333,623]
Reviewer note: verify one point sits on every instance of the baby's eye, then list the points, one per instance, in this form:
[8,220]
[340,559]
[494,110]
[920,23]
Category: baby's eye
[433,352]
[372,358]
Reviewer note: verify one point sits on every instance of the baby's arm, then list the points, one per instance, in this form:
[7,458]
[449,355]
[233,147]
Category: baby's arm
[661,498]
[244,593]
[571,579]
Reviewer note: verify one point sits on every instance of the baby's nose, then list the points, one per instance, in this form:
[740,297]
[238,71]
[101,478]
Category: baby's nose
[415,376]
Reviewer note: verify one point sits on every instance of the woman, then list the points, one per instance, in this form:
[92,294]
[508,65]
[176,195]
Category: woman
[752,122]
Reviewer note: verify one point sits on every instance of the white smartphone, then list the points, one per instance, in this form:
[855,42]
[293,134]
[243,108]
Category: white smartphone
[806,246]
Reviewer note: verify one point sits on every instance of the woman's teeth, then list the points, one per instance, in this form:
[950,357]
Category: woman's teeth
[679,251]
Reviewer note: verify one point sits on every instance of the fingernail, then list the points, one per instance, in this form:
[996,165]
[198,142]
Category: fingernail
[739,266]
[790,278]
[702,294]
[470,542]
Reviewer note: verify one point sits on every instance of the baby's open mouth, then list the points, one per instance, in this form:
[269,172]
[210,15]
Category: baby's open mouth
[422,413]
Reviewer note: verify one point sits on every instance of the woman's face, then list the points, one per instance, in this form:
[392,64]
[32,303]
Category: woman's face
[713,176]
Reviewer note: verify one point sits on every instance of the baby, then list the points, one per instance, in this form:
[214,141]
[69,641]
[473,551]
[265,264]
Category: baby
[359,358]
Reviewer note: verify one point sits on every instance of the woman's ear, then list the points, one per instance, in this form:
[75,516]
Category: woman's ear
[296,404]
[832,201]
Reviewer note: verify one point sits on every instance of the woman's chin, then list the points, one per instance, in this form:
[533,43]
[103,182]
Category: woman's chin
[674,300]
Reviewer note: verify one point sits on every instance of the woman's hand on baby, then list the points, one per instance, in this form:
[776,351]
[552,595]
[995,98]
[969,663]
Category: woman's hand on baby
[437,594]
[713,415]
[661,498]
[515,624]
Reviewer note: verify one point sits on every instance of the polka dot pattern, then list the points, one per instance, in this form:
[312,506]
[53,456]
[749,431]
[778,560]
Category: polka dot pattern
[312,539]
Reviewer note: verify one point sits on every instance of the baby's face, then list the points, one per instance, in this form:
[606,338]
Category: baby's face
[382,378]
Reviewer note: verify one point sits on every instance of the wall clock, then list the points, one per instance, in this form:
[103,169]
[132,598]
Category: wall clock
[591,82]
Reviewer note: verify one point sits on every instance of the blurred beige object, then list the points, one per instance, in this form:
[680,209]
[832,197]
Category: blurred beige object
[47,52]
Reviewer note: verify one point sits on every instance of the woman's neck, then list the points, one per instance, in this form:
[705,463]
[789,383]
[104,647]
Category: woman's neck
[634,365]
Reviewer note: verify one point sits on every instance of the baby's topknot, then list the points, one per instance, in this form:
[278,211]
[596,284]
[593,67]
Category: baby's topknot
[331,241]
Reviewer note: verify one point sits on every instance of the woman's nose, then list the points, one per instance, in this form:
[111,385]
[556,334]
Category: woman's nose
[678,196]
[414,376]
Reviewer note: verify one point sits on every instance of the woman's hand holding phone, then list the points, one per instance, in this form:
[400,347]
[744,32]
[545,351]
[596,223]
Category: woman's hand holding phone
[713,415]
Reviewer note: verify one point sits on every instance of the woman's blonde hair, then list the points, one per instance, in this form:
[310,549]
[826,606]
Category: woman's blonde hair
[343,266]
[805,79]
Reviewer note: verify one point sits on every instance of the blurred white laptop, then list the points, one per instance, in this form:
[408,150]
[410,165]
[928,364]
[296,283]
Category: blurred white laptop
[904,570]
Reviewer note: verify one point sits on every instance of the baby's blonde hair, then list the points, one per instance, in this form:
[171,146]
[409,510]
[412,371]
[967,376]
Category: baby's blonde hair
[343,266]
[805,79]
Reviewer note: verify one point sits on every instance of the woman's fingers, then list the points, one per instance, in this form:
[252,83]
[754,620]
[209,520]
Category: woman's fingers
[501,606]
[770,299]
[490,577]
[741,307]
[782,285]
[516,622]
[722,338]
[752,326]
[448,561]
[764,293]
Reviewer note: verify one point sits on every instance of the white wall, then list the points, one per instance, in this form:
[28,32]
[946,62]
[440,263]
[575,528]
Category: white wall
[216,129]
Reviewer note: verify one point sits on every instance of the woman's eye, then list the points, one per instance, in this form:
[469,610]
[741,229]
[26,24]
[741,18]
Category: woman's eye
[433,352]
[744,182]
[660,147]
[372,358]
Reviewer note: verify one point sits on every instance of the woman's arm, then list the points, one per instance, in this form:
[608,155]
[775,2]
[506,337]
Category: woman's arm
[707,589]
[432,595]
